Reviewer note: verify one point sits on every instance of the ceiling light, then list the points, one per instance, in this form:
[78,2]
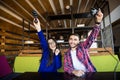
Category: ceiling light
[67,7]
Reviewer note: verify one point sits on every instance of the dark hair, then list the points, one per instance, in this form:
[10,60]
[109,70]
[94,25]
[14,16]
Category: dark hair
[53,40]
[51,54]
[75,34]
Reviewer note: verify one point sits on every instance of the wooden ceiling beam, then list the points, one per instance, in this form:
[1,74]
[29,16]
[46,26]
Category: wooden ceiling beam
[22,8]
[11,17]
[78,9]
[54,10]
[71,2]
[14,13]
[11,22]
[8,5]
[33,8]
[30,4]
[63,11]
[68,16]
[42,5]
[85,8]
[71,10]
[53,6]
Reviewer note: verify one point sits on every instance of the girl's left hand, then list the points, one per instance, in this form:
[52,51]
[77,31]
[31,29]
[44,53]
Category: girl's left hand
[57,51]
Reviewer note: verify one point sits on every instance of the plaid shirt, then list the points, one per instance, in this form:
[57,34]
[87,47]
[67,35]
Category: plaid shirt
[82,53]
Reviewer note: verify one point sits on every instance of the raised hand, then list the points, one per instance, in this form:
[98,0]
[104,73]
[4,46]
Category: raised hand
[37,25]
[99,16]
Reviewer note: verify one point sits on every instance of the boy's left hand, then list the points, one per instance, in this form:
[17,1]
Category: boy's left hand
[99,16]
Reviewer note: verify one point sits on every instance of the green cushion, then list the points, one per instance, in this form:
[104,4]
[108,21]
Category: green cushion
[105,63]
[61,69]
[26,64]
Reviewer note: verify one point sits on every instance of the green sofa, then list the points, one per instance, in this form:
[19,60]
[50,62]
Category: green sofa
[103,63]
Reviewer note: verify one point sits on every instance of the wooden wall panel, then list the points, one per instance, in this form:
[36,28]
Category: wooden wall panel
[11,43]
[1,39]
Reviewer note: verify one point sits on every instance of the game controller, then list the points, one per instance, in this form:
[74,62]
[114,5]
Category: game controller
[35,15]
[93,11]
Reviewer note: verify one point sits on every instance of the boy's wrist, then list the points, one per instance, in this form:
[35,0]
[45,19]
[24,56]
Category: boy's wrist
[98,23]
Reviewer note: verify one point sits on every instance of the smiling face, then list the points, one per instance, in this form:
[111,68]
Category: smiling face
[73,41]
[52,44]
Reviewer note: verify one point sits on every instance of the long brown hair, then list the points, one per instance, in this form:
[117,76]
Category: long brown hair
[51,54]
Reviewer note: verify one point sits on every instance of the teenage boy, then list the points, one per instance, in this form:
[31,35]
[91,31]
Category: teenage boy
[76,59]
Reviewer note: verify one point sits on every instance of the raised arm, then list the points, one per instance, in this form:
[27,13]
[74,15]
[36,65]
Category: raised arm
[41,36]
[91,38]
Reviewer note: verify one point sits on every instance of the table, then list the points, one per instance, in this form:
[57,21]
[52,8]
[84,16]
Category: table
[65,76]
